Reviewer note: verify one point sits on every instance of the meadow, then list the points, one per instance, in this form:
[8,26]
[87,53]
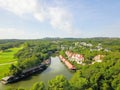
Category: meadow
[6,59]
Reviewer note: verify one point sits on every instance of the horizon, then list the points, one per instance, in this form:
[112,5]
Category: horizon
[38,19]
[61,38]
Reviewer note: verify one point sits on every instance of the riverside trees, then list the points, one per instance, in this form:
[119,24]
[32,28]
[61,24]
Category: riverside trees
[59,83]
[33,53]
[98,76]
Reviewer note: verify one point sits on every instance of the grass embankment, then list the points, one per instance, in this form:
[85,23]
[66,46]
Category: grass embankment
[6,59]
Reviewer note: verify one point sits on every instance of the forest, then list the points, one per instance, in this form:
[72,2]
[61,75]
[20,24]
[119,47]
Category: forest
[98,76]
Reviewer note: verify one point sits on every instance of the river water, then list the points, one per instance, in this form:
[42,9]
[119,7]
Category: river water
[56,68]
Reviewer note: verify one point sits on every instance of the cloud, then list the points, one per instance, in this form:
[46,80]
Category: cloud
[13,33]
[58,17]
[20,7]
[39,16]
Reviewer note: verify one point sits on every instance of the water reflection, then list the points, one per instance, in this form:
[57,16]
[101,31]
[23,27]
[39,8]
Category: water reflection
[56,68]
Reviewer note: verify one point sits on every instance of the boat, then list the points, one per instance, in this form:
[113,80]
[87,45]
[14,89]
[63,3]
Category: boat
[26,73]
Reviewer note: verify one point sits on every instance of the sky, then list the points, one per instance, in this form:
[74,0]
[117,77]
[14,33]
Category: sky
[36,19]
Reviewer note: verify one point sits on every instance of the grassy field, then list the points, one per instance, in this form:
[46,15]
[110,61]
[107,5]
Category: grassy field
[6,59]
[3,69]
[7,56]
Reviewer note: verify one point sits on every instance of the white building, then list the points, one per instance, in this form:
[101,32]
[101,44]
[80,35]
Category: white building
[75,57]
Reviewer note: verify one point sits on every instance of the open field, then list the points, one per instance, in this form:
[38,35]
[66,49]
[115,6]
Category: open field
[6,59]
[3,69]
[8,56]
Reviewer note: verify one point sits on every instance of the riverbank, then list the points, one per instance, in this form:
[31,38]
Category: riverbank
[67,63]
[26,73]
[6,59]
[55,68]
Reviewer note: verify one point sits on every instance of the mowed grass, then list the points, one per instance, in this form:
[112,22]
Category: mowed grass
[8,56]
[4,69]
[6,59]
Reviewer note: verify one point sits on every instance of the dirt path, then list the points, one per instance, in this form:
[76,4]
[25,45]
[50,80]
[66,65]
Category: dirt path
[8,63]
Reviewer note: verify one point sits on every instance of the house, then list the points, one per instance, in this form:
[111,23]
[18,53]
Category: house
[83,43]
[67,63]
[106,50]
[89,45]
[98,58]
[75,57]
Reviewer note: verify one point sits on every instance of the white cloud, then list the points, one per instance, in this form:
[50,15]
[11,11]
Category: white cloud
[19,7]
[39,16]
[13,33]
[58,17]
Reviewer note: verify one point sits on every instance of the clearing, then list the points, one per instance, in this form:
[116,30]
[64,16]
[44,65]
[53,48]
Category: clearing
[8,55]
[6,59]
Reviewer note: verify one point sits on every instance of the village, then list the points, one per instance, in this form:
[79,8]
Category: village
[76,53]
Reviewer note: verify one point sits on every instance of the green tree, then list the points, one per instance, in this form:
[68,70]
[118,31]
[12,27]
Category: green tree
[38,86]
[116,82]
[58,83]
[78,82]
[13,69]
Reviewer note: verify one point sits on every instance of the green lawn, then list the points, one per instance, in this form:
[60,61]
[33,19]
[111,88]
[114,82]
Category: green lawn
[7,56]
[3,69]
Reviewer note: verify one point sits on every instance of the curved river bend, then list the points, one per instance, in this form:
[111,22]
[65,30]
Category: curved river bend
[56,68]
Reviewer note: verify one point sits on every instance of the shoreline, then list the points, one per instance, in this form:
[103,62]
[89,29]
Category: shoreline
[67,63]
[26,73]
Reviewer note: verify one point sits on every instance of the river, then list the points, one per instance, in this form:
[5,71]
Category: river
[56,68]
